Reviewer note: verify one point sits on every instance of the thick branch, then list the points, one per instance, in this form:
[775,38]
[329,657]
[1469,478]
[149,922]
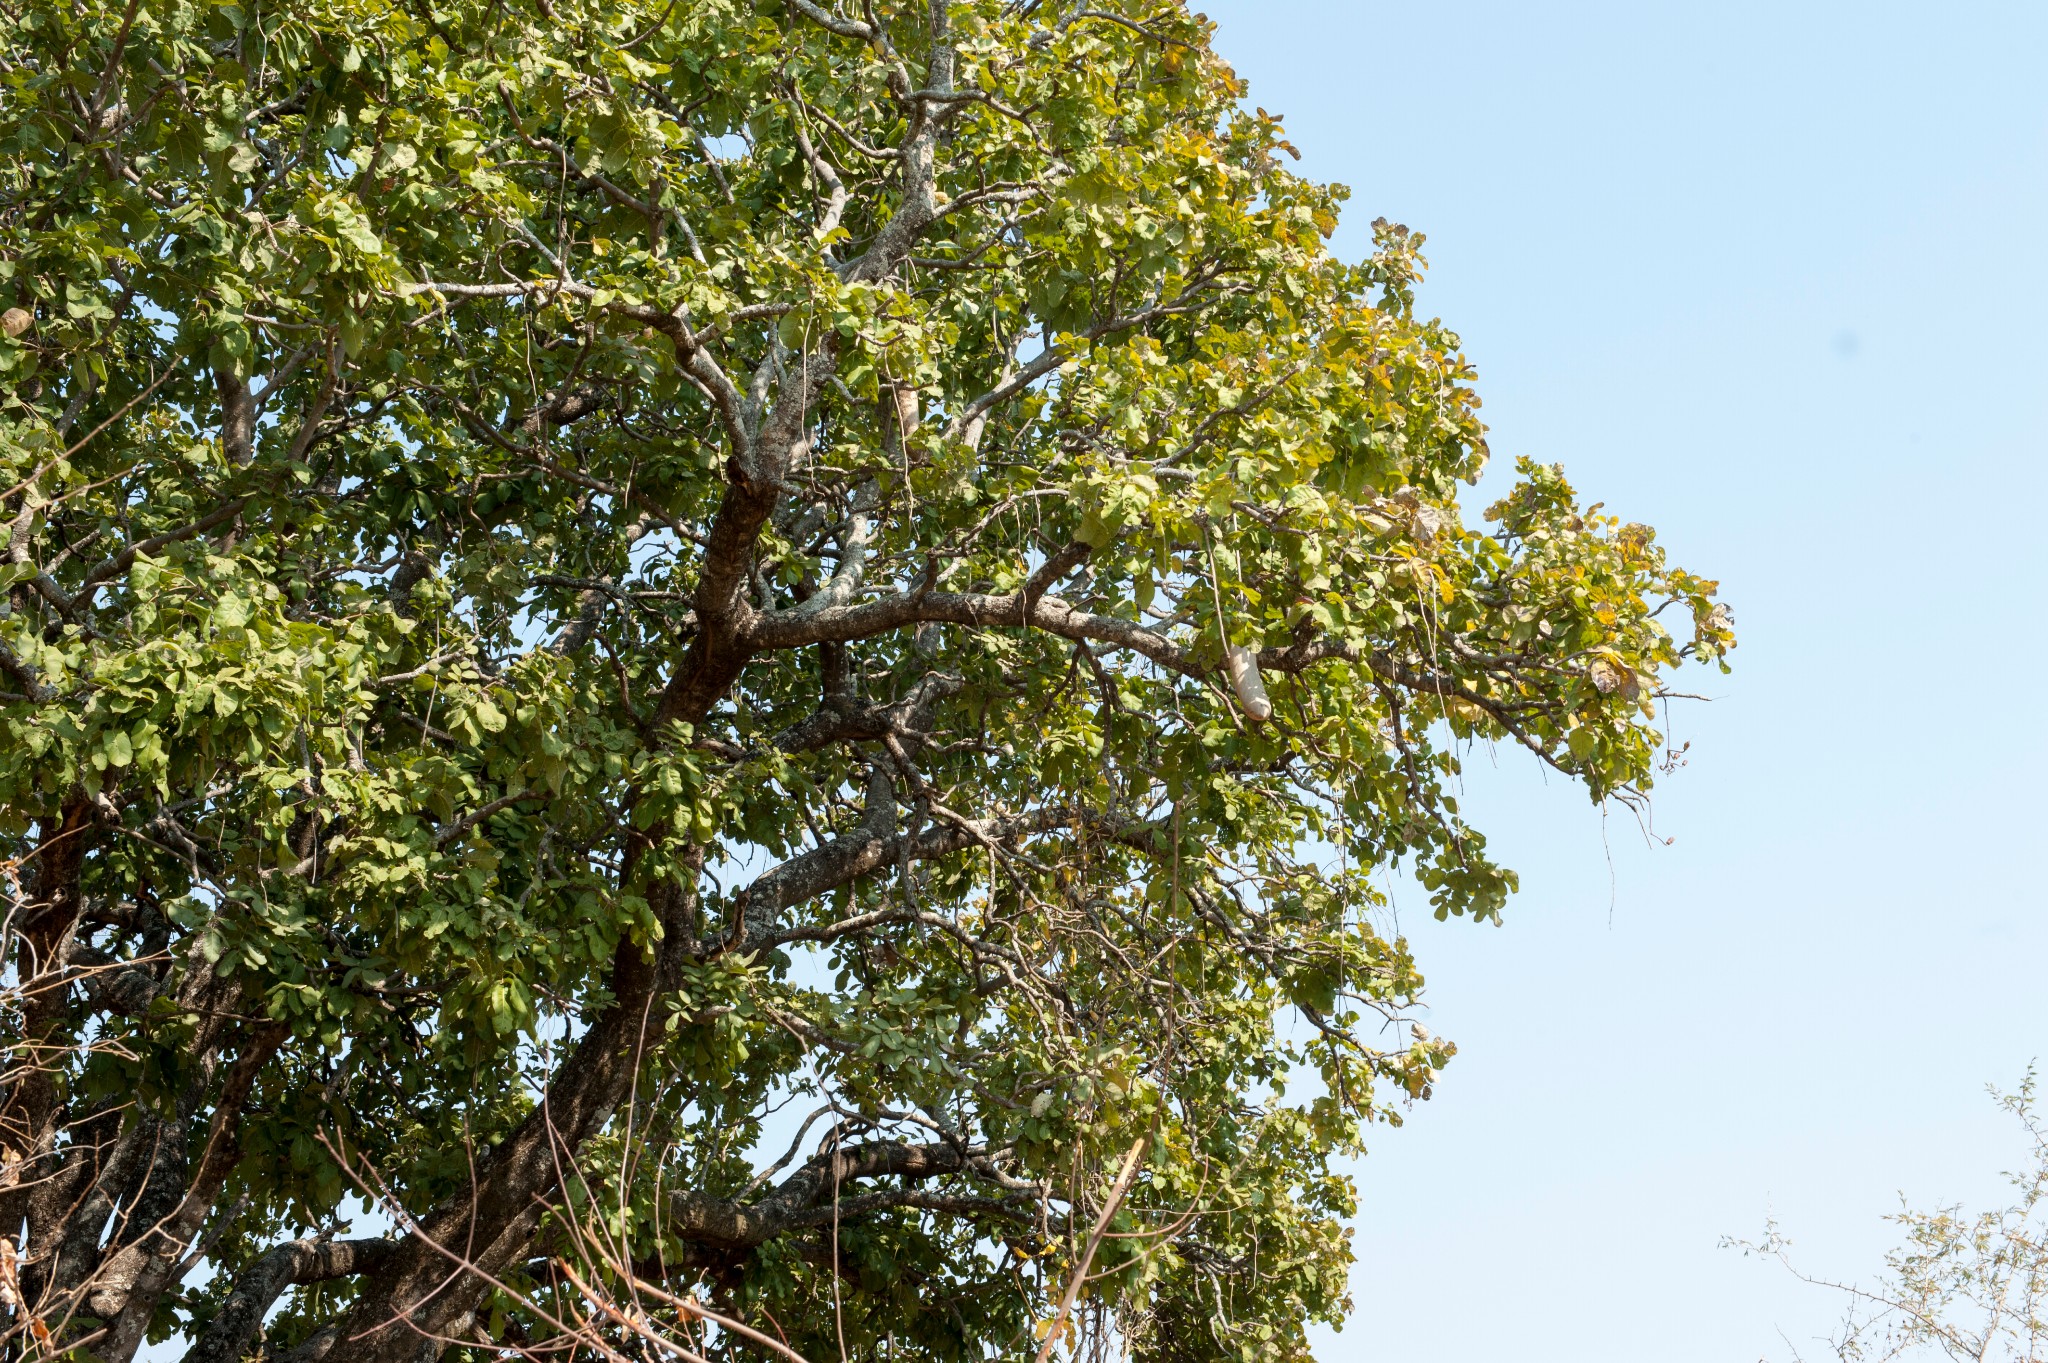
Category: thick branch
[134,1280]
[853,550]
[237,419]
[754,483]
[292,1264]
[31,681]
[979,609]
[835,188]
[493,1226]
[734,1225]
[44,931]
[917,152]
[845,28]
[842,720]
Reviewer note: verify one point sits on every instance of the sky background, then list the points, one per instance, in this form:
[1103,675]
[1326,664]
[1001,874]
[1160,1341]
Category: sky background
[1770,278]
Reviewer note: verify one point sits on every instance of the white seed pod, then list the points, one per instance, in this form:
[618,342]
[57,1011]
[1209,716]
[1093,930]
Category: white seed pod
[909,408]
[15,321]
[1243,666]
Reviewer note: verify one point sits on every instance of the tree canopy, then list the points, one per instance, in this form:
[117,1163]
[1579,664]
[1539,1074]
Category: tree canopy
[1971,1287]
[737,657]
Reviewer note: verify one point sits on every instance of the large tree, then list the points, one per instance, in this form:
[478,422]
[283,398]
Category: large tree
[731,655]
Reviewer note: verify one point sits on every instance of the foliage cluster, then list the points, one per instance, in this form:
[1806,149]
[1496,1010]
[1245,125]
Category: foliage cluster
[586,579]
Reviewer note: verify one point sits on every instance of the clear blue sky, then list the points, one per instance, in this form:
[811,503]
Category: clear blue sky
[1770,277]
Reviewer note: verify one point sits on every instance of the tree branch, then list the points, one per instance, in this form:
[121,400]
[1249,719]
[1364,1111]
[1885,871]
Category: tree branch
[121,562]
[870,847]
[237,418]
[1054,355]
[292,1264]
[805,1198]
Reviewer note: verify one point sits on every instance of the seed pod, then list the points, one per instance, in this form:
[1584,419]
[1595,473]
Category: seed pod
[1243,666]
[15,321]
[909,408]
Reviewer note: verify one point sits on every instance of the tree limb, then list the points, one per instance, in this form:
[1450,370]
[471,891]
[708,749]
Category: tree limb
[292,1264]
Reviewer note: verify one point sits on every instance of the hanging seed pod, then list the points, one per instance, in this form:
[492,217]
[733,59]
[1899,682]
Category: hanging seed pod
[909,408]
[1243,666]
[15,321]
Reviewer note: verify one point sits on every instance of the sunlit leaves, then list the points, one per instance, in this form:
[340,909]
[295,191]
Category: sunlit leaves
[384,743]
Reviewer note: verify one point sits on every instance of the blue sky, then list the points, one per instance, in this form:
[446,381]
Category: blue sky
[1771,278]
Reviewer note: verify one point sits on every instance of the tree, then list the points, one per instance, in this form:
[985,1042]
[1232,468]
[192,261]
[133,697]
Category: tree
[1964,1286]
[592,584]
